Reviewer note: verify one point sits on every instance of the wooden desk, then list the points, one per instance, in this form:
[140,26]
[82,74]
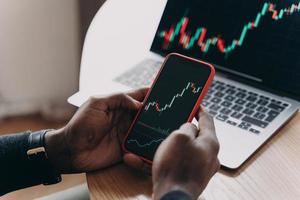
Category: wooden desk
[272,173]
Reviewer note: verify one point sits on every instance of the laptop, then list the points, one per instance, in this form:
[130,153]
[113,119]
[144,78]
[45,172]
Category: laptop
[255,48]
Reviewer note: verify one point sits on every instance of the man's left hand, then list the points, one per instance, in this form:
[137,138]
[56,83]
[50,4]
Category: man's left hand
[93,137]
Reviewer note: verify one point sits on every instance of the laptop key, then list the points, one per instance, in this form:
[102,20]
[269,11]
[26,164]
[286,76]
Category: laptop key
[219,94]
[230,86]
[242,90]
[248,111]
[241,95]
[222,118]
[243,127]
[259,116]
[215,107]
[237,115]
[276,107]
[229,98]
[226,104]
[226,111]
[262,109]
[220,83]
[246,124]
[272,115]
[251,105]
[205,103]
[251,98]
[252,94]
[264,97]
[276,101]
[216,100]
[231,123]
[210,92]
[230,91]
[237,108]
[207,97]
[255,122]
[213,113]
[252,130]
[221,88]
[240,101]
[285,105]
[262,102]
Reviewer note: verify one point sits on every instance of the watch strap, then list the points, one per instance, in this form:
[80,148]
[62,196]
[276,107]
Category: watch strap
[36,139]
[37,154]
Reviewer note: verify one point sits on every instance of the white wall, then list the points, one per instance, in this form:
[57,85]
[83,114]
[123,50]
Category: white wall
[39,53]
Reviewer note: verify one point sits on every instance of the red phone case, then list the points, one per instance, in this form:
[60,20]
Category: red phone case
[195,109]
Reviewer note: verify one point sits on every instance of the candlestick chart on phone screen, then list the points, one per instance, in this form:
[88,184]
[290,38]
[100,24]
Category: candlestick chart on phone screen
[155,108]
[169,104]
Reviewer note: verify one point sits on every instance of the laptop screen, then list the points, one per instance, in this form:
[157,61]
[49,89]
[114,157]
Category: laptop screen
[258,40]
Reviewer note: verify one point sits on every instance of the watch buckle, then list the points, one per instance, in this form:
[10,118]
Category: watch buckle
[36,151]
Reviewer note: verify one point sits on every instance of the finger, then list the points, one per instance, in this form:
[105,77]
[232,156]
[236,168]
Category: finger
[207,127]
[138,95]
[200,112]
[133,161]
[136,163]
[188,129]
[217,166]
[123,101]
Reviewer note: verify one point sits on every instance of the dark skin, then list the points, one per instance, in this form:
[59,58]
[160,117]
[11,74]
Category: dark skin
[192,175]
[93,137]
[184,172]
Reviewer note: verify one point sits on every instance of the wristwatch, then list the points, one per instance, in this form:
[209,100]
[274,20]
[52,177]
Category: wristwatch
[37,155]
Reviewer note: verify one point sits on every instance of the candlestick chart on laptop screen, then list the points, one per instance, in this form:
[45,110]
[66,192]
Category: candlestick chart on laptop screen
[257,40]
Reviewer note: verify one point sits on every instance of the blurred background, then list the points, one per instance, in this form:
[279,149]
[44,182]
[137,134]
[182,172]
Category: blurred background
[40,51]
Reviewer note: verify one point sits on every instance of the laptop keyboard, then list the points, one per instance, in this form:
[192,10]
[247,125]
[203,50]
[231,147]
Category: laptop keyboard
[242,108]
[227,103]
[140,75]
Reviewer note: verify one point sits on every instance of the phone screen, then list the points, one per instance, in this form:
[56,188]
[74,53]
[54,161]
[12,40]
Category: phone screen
[169,104]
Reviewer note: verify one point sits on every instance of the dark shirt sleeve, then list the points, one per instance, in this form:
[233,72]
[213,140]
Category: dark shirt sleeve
[16,170]
[176,195]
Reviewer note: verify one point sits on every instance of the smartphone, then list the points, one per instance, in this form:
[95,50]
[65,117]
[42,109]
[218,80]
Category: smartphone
[173,99]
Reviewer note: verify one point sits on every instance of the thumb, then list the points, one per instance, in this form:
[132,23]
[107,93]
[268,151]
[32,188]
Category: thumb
[123,101]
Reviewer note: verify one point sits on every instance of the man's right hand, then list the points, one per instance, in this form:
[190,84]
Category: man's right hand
[186,160]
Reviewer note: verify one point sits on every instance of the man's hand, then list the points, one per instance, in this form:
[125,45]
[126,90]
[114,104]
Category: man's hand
[185,161]
[92,139]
